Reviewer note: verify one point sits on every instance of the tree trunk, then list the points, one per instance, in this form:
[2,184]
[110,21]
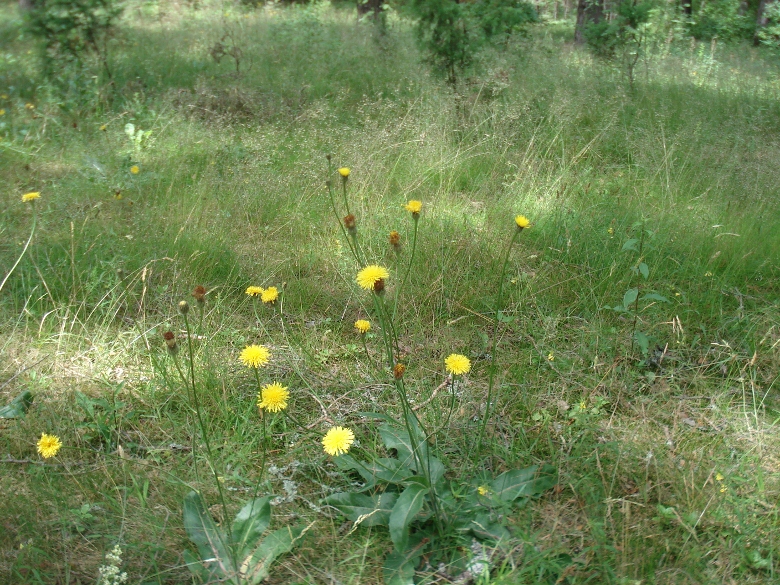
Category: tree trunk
[25,5]
[588,12]
[687,7]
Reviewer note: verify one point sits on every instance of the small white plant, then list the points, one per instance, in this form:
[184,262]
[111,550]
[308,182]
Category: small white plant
[109,574]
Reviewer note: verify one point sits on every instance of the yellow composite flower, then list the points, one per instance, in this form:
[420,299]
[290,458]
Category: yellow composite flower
[48,445]
[27,197]
[338,440]
[273,397]
[269,295]
[363,326]
[457,364]
[344,172]
[103,128]
[370,275]
[254,291]
[255,356]
[522,221]
[135,170]
[413,206]
[483,490]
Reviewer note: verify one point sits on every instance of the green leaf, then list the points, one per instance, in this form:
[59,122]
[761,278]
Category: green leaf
[256,566]
[642,340]
[505,318]
[399,566]
[484,529]
[654,297]
[201,572]
[630,297]
[250,523]
[517,483]
[387,469]
[630,245]
[644,269]
[409,503]
[18,406]
[367,510]
[204,533]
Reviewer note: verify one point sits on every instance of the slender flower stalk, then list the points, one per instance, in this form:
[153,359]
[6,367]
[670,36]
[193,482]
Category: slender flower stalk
[416,217]
[31,199]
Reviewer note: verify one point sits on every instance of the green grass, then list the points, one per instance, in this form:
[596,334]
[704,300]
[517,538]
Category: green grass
[230,193]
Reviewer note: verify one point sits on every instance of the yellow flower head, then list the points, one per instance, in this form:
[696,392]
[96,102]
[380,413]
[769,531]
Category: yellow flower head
[719,477]
[414,207]
[371,276]
[483,490]
[103,128]
[29,106]
[135,170]
[362,326]
[457,364]
[255,356]
[551,356]
[338,440]
[254,291]
[273,397]
[522,222]
[611,231]
[27,197]
[48,445]
[269,295]
[344,172]
[2,112]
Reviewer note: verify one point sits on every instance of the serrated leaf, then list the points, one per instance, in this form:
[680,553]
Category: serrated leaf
[630,245]
[256,566]
[654,297]
[630,297]
[250,523]
[409,503]
[205,535]
[368,510]
[517,483]
[644,270]
[18,406]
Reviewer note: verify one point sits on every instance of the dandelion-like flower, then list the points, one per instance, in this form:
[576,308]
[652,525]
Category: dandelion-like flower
[49,445]
[338,440]
[483,490]
[27,197]
[254,291]
[269,295]
[522,222]
[103,128]
[371,276]
[344,172]
[255,356]
[273,397]
[457,364]
[414,207]
[135,169]
[362,326]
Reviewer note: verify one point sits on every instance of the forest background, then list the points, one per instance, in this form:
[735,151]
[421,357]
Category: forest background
[622,349]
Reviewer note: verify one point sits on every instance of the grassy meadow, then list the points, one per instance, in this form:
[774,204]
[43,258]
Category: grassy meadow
[660,417]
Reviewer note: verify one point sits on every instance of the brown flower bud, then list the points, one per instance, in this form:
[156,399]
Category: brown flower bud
[395,240]
[170,341]
[200,294]
[351,224]
[398,371]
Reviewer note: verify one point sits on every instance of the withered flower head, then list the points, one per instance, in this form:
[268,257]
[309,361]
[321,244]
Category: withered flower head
[398,371]
[350,223]
[200,294]
[170,341]
[184,307]
[395,240]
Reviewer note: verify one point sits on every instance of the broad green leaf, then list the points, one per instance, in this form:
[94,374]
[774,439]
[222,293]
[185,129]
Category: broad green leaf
[654,297]
[399,566]
[202,573]
[256,566]
[409,503]
[435,469]
[630,245]
[368,510]
[517,483]
[250,523]
[630,297]
[387,469]
[18,406]
[204,533]
[644,270]
[349,463]
[642,340]
[484,529]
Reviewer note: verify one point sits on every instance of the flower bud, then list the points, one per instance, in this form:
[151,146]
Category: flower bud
[184,307]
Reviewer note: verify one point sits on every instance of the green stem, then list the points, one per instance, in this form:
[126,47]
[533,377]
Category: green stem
[24,250]
[408,268]
[636,302]
[491,378]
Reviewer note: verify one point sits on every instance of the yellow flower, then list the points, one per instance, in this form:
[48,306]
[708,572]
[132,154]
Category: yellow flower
[551,356]
[2,112]
[718,477]
[611,231]
[27,197]
[273,397]
[255,291]
[371,275]
[29,106]
[483,490]
[457,364]
[413,206]
[362,326]
[338,440]
[103,128]
[48,445]
[522,222]
[255,356]
[135,170]
[269,295]
[344,172]
[708,273]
